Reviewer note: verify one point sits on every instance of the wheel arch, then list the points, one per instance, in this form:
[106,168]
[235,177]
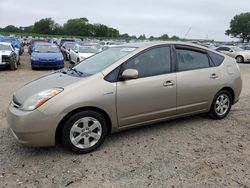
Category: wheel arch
[91,108]
[230,90]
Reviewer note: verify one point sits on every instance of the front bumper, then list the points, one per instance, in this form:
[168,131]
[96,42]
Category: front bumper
[47,64]
[32,128]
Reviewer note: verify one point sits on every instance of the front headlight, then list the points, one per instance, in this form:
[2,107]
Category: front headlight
[60,59]
[39,99]
[33,58]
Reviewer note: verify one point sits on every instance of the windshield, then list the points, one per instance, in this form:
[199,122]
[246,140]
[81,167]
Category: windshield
[5,47]
[88,49]
[102,60]
[46,49]
[69,45]
[237,49]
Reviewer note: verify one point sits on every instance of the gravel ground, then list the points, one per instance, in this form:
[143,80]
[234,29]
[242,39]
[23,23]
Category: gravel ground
[189,152]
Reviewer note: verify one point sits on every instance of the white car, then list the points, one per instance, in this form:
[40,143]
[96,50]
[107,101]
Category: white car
[239,54]
[8,56]
[79,53]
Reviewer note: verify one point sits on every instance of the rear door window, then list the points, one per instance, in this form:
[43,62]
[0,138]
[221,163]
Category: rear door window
[191,59]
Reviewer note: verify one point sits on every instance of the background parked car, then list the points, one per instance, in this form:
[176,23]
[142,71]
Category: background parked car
[65,49]
[8,56]
[15,43]
[239,54]
[79,53]
[63,40]
[46,55]
[33,41]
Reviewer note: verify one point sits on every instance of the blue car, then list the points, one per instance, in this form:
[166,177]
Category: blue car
[46,55]
[15,42]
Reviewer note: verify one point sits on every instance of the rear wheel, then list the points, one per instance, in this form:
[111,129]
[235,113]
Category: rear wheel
[240,59]
[221,105]
[84,132]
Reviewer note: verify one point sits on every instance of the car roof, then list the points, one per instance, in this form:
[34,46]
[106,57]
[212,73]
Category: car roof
[155,43]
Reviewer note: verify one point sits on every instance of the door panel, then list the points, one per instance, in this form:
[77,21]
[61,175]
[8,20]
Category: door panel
[197,80]
[146,99]
[196,88]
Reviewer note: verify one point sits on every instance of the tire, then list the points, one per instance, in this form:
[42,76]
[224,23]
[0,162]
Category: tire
[18,62]
[70,61]
[13,64]
[81,135]
[239,59]
[221,105]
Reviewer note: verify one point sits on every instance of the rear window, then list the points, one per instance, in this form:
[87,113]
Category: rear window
[216,58]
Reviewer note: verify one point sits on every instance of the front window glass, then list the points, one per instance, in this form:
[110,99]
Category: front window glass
[189,60]
[87,49]
[46,49]
[236,49]
[5,47]
[153,62]
[69,45]
[102,60]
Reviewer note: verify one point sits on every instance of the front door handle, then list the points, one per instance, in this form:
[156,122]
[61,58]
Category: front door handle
[168,83]
[214,76]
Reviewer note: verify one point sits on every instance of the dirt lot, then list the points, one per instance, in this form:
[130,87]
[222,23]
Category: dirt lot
[189,152]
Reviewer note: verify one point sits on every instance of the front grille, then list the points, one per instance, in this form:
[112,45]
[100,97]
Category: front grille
[48,60]
[5,58]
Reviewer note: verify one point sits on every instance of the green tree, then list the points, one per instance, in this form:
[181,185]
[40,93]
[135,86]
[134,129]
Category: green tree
[45,26]
[175,38]
[142,37]
[240,27]
[11,28]
[164,37]
[77,27]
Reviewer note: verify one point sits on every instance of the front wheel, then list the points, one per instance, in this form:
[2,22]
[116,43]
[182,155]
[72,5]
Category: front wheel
[240,59]
[13,64]
[84,132]
[221,105]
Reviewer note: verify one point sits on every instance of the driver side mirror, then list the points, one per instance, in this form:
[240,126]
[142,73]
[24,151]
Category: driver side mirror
[76,51]
[129,74]
[231,50]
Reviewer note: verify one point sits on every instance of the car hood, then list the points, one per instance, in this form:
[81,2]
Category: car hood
[86,55]
[53,80]
[3,52]
[47,55]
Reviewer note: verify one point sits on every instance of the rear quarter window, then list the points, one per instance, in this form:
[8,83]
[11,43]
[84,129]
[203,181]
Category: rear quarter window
[216,58]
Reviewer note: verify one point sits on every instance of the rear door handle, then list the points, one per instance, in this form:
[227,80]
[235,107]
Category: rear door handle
[168,83]
[214,76]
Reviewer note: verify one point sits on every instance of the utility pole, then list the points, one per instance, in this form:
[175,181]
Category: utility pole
[189,29]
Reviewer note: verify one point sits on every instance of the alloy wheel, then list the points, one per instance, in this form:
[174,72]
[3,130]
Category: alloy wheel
[85,132]
[222,104]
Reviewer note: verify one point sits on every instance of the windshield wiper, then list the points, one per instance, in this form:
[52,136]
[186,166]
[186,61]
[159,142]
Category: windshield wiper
[77,71]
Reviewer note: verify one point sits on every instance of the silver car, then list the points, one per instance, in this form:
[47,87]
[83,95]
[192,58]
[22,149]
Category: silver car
[120,88]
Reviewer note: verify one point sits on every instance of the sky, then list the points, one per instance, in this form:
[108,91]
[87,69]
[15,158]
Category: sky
[204,19]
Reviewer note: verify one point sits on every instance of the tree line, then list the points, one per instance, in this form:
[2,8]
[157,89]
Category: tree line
[240,27]
[77,27]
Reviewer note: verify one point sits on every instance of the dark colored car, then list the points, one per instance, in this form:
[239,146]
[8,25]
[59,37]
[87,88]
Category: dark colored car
[63,40]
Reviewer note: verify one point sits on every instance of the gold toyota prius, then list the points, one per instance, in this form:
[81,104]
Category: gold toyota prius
[123,87]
